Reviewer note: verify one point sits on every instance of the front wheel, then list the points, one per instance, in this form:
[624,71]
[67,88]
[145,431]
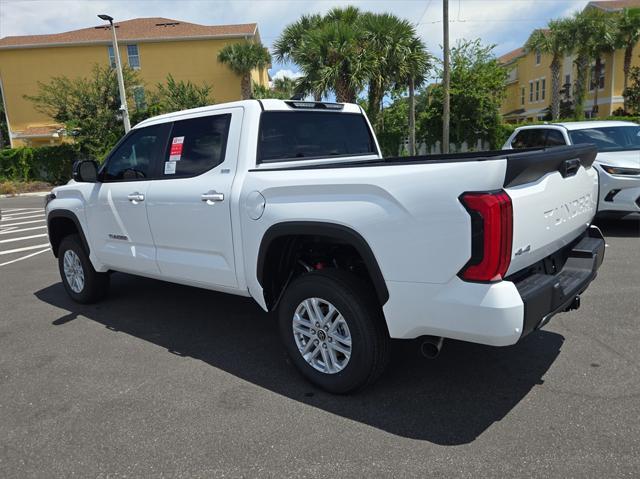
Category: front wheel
[333,329]
[81,281]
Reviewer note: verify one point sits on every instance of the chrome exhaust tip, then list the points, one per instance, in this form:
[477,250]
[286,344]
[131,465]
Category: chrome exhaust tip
[431,346]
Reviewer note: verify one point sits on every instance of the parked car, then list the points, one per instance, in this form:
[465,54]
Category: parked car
[617,163]
[292,204]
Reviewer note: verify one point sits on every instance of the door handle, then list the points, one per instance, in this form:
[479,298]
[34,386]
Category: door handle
[211,197]
[135,197]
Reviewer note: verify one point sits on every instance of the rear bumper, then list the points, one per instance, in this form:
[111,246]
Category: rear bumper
[496,314]
[544,295]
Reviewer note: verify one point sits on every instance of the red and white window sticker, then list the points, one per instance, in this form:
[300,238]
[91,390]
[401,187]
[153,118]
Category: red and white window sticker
[176,148]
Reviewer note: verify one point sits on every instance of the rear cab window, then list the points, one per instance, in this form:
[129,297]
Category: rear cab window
[537,138]
[303,135]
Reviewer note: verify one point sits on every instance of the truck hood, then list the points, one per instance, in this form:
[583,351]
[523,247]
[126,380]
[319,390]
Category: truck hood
[622,159]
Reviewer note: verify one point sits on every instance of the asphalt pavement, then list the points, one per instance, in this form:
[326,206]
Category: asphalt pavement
[161,380]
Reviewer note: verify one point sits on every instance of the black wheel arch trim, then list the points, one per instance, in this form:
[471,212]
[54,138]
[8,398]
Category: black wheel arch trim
[330,230]
[53,214]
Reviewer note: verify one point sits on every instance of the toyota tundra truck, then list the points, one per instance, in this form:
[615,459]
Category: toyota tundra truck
[291,203]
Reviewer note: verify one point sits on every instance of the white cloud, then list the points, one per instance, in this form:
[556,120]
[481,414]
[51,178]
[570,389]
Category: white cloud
[286,73]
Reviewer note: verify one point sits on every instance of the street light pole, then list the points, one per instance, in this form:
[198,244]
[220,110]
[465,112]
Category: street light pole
[123,95]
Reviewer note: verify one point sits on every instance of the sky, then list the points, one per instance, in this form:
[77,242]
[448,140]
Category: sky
[505,23]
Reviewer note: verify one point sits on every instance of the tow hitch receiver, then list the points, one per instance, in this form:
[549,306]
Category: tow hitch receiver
[575,304]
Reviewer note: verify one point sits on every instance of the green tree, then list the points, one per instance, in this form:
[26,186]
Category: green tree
[4,130]
[477,90]
[555,41]
[627,36]
[602,41]
[179,95]
[398,56]
[88,107]
[282,89]
[242,59]
[632,92]
[393,125]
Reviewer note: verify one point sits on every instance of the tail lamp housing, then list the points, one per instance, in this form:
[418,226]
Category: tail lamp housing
[491,235]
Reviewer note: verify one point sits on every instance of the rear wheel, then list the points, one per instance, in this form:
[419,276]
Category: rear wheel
[333,330]
[81,281]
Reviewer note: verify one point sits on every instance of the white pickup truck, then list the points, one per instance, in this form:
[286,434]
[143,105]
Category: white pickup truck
[292,204]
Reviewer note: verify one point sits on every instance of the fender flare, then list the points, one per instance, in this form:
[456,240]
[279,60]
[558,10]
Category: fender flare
[330,230]
[59,213]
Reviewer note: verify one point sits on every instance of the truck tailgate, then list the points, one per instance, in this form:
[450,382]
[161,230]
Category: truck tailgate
[554,196]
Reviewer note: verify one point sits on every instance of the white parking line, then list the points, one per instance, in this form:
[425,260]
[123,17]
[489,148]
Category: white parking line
[12,229]
[21,217]
[22,238]
[24,257]
[15,214]
[11,210]
[26,248]
[23,223]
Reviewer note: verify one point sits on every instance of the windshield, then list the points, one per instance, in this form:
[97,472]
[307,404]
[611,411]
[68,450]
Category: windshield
[611,138]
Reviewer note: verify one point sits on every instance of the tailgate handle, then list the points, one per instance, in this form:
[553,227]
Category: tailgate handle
[569,167]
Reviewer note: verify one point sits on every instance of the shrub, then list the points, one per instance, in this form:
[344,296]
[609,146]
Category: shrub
[51,164]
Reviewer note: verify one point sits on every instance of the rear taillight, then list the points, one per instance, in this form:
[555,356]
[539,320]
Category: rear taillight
[491,235]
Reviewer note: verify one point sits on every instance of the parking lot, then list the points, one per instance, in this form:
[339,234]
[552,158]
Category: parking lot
[165,380]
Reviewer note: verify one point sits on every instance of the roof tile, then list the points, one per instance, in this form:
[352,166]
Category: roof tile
[155,28]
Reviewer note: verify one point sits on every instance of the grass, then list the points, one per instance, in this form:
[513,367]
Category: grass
[10,187]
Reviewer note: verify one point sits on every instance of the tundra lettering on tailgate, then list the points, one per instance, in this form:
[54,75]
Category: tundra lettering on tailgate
[569,210]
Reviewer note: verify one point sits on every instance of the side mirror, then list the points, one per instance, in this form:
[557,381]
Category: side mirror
[85,171]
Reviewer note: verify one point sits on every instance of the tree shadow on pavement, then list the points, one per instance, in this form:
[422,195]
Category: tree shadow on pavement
[447,401]
[628,227]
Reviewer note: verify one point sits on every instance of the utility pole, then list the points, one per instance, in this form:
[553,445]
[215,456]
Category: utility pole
[447,77]
[123,95]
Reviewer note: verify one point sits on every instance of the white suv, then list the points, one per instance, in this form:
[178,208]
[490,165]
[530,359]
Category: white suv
[617,163]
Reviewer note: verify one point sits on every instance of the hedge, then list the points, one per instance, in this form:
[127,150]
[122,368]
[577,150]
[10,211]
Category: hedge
[48,163]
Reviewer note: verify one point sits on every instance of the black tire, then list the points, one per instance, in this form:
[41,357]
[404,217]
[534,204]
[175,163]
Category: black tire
[363,315]
[96,285]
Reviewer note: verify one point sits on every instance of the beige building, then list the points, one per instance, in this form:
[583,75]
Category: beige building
[155,47]
[528,91]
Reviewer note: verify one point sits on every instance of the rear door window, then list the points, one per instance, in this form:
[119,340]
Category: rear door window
[196,145]
[303,135]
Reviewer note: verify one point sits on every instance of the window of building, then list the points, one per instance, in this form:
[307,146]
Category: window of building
[592,76]
[567,79]
[134,158]
[544,88]
[134,57]
[196,145]
[112,57]
[305,134]
[139,98]
[538,57]
[537,90]
[530,91]
[522,96]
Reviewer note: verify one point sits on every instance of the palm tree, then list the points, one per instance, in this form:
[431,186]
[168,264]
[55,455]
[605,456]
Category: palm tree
[390,37]
[555,41]
[329,51]
[243,58]
[627,35]
[417,67]
[333,56]
[602,42]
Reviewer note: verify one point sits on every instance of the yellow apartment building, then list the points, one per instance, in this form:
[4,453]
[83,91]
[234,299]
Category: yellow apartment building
[155,47]
[528,89]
